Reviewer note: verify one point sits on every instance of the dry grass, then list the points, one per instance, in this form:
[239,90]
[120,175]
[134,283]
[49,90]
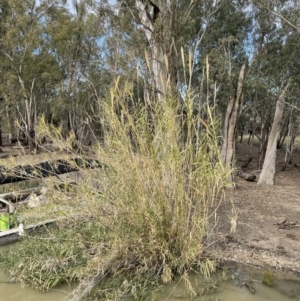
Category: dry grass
[149,204]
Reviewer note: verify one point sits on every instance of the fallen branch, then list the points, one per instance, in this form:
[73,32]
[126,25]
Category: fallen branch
[246,176]
[285,224]
[249,287]
[247,163]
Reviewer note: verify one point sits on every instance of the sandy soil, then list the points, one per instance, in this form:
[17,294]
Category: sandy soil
[258,240]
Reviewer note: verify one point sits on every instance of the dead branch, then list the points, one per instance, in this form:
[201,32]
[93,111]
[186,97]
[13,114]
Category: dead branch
[246,176]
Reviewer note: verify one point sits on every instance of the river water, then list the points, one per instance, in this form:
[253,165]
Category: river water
[228,291]
[14,291]
[284,291]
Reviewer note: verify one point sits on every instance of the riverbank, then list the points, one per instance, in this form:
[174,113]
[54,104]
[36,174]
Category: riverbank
[253,225]
[12,290]
[267,218]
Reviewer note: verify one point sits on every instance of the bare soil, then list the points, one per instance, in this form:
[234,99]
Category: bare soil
[261,238]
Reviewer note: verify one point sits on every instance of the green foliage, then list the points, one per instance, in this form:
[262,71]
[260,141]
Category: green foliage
[44,261]
[64,62]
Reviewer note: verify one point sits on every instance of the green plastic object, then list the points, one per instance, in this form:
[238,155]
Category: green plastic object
[4,221]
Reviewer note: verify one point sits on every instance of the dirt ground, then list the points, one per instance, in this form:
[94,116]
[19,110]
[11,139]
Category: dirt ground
[259,238]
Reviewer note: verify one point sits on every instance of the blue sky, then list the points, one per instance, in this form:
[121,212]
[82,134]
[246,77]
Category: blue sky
[70,5]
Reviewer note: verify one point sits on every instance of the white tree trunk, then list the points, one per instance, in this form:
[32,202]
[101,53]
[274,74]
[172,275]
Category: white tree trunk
[161,20]
[156,63]
[268,170]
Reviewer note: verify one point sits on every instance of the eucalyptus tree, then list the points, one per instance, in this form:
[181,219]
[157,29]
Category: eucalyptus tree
[226,49]
[159,34]
[254,35]
[153,35]
[74,41]
[279,67]
[29,69]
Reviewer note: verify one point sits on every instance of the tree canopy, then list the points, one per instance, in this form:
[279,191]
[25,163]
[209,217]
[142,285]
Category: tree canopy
[60,63]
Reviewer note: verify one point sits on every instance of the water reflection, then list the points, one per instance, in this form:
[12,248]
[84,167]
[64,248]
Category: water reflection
[230,291]
[14,291]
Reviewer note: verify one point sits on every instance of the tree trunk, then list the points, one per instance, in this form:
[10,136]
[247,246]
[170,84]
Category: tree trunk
[268,170]
[30,133]
[251,135]
[283,133]
[242,132]
[264,139]
[161,62]
[229,134]
[292,133]
[0,130]
[10,115]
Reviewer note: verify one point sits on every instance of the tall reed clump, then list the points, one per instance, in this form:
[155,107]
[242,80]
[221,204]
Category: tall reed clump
[163,175]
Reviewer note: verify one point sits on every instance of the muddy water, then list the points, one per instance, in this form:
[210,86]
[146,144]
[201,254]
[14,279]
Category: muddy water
[231,291]
[228,290]
[284,291]
[14,291]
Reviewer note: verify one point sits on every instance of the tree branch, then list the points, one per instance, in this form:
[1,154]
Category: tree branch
[284,19]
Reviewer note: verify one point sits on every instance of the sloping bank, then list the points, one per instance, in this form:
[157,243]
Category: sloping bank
[266,235]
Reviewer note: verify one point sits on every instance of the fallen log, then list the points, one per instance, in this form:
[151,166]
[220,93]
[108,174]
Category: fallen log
[45,169]
[246,176]
[8,204]
[21,194]
[17,197]
[249,287]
